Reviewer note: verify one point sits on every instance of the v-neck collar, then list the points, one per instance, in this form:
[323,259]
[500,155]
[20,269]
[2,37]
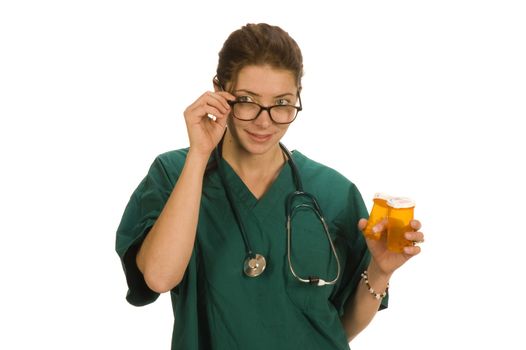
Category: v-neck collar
[282,185]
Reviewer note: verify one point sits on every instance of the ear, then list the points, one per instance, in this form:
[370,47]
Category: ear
[217,84]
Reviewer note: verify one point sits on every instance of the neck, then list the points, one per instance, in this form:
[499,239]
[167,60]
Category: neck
[258,171]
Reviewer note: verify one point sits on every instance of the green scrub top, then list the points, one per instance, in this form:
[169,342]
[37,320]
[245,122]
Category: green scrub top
[216,306]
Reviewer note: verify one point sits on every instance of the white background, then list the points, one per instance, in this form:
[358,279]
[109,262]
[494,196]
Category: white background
[418,98]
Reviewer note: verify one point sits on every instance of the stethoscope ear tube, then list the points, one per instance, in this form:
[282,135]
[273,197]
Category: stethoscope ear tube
[294,168]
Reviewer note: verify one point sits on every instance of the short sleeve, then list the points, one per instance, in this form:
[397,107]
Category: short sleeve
[143,209]
[356,251]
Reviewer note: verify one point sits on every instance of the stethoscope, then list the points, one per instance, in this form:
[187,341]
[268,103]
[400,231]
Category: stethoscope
[255,263]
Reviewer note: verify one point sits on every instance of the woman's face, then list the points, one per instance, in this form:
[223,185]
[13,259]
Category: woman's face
[266,86]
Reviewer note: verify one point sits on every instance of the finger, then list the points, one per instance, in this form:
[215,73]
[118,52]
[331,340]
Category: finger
[209,98]
[416,225]
[219,97]
[417,237]
[412,250]
[361,224]
[226,95]
[204,111]
[222,121]
[381,226]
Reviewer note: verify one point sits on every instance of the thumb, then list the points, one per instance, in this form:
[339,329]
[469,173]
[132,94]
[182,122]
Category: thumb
[361,224]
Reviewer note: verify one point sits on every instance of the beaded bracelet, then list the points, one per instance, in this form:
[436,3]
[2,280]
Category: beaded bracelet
[378,296]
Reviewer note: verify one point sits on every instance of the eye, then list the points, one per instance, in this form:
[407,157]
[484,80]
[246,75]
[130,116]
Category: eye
[245,98]
[282,102]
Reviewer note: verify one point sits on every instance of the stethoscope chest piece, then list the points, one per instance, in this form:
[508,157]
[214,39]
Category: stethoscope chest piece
[254,265]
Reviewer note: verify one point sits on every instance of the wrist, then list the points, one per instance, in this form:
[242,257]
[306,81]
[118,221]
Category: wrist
[376,294]
[195,164]
[375,270]
[197,157]
[378,278]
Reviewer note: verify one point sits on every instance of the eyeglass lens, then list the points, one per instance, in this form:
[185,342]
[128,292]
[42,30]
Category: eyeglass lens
[250,110]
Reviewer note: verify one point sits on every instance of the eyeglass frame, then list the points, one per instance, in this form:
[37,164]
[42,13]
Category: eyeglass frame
[268,109]
[261,108]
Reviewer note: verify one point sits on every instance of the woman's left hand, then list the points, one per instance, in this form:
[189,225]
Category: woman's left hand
[386,260]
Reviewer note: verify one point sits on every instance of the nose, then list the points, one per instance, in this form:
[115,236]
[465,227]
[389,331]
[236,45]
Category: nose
[263,120]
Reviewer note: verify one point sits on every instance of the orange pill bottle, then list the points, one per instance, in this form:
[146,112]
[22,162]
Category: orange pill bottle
[378,213]
[400,214]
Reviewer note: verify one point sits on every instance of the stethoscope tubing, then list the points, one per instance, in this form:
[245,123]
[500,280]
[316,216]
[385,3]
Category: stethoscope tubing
[253,259]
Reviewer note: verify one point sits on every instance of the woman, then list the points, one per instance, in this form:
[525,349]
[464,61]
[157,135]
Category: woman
[247,264]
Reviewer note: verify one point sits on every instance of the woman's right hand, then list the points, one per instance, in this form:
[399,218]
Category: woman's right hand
[205,133]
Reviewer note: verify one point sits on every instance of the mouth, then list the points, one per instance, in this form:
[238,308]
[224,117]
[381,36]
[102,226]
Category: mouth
[260,138]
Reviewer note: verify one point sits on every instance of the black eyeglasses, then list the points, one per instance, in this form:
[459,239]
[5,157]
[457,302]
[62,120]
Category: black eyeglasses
[279,114]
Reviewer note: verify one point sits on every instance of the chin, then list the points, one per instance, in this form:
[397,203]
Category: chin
[259,148]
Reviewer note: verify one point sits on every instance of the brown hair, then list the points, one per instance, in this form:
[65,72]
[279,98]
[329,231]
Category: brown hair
[259,44]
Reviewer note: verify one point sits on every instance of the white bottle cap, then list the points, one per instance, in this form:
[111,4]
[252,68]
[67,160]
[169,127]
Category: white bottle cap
[383,196]
[401,203]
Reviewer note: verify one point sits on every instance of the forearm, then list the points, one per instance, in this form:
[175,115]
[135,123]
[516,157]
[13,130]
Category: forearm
[166,250]
[361,309]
